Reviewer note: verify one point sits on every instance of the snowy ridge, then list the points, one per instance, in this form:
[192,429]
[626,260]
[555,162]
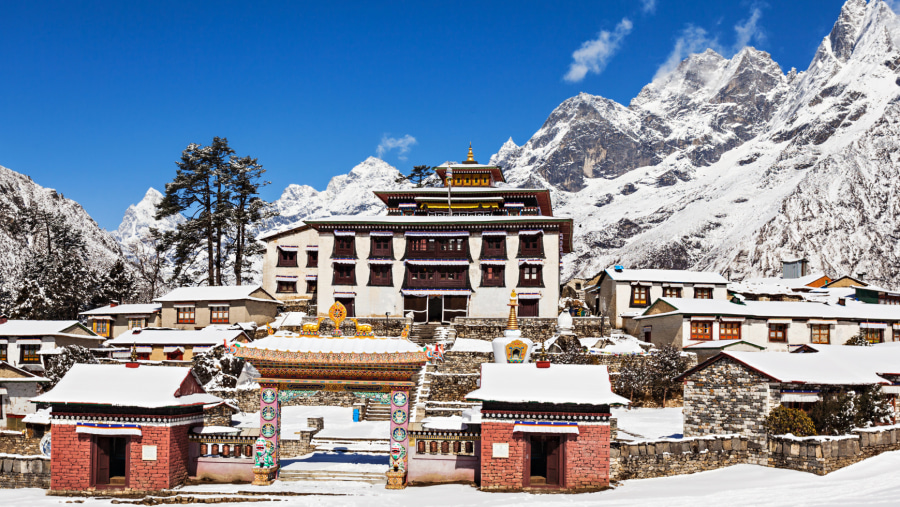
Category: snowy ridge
[140,217]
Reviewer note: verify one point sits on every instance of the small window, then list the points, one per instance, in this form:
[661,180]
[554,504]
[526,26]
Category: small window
[530,276]
[3,356]
[185,315]
[137,323]
[175,355]
[492,276]
[701,330]
[820,333]
[344,246]
[312,258]
[494,247]
[530,245]
[640,295]
[311,286]
[219,314]
[380,275]
[702,293]
[381,246]
[671,292]
[29,354]
[287,258]
[873,335]
[101,327]
[778,333]
[729,330]
[286,286]
[344,274]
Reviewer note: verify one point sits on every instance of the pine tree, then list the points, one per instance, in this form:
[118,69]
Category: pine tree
[247,212]
[149,261]
[419,176]
[665,363]
[117,284]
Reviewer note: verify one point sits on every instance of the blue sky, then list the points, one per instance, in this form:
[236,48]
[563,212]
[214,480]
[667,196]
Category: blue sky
[98,99]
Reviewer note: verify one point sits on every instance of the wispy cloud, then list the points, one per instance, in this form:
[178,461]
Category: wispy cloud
[593,54]
[401,144]
[748,31]
[648,6]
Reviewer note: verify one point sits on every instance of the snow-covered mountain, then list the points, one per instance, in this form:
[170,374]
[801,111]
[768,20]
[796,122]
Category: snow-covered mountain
[140,218]
[18,193]
[731,165]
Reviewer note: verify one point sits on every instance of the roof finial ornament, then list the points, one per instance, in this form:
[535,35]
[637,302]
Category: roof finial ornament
[512,324]
[471,158]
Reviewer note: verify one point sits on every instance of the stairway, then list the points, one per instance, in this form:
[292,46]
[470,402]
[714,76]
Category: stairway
[423,334]
[332,476]
[377,411]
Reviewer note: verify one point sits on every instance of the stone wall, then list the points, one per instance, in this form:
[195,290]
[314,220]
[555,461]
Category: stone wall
[217,416]
[534,328]
[15,442]
[726,398]
[663,458]
[24,471]
[821,455]
[248,399]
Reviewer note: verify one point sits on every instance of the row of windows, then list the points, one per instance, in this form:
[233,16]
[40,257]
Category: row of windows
[188,315]
[28,354]
[640,294]
[819,333]
[288,259]
[422,276]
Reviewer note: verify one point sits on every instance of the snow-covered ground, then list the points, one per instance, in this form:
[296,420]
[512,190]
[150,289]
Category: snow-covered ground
[338,422]
[649,423]
[873,482]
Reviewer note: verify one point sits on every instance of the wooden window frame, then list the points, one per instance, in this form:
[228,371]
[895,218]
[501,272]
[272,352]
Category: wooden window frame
[28,354]
[384,251]
[497,276]
[312,258]
[281,287]
[872,335]
[4,352]
[140,321]
[175,355]
[381,275]
[183,316]
[529,303]
[346,251]
[339,279]
[101,327]
[537,251]
[816,331]
[774,329]
[286,258]
[312,286]
[636,300]
[496,252]
[527,279]
[730,330]
[215,313]
[708,293]
[671,292]
[697,332]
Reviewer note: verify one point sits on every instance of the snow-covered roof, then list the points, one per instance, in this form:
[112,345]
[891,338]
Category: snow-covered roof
[351,345]
[215,293]
[41,416]
[559,384]
[776,285]
[119,385]
[157,336]
[136,309]
[471,345]
[288,319]
[665,275]
[834,365]
[434,219]
[777,309]
[718,344]
[43,328]
[27,376]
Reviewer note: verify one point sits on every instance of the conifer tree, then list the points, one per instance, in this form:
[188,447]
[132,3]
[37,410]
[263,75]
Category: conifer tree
[418,176]
[247,212]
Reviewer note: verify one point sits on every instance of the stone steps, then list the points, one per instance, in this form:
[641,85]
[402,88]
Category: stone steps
[331,476]
[423,334]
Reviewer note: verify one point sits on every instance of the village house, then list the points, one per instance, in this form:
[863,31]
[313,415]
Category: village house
[123,428]
[17,387]
[773,325]
[198,307]
[439,253]
[153,344]
[23,342]
[114,319]
[622,294]
[734,392]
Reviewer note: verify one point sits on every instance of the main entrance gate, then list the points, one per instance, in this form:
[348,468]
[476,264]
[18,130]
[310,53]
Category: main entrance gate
[369,366]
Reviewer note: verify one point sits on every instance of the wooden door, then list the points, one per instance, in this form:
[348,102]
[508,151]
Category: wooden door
[553,451]
[102,451]
[526,476]
[418,305]
[435,308]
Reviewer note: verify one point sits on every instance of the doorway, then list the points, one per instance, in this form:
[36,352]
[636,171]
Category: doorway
[544,461]
[435,309]
[111,461]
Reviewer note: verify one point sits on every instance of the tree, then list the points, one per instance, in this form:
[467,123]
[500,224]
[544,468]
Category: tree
[858,340]
[247,212]
[633,378]
[149,260]
[117,284]
[419,176]
[665,363]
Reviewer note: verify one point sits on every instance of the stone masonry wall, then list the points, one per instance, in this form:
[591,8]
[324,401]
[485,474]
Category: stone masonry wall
[665,458]
[456,376]
[248,399]
[12,442]
[534,328]
[725,398]
[24,471]
[821,455]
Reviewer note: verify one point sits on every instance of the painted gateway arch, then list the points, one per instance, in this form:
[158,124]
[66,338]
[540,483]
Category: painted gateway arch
[362,363]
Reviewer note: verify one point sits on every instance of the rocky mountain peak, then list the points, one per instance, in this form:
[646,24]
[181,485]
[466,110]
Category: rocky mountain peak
[140,217]
[846,29]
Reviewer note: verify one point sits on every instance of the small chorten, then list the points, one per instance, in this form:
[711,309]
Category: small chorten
[511,347]
[565,325]
[512,324]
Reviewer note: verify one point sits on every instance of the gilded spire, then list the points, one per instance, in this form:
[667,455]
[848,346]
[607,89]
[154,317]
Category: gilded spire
[471,158]
[512,324]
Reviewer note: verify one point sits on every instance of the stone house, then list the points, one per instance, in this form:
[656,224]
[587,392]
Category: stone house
[198,307]
[17,387]
[734,392]
[114,319]
[22,342]
[772,325]
[622,294]
[123,428]
[173,344]
[535,434]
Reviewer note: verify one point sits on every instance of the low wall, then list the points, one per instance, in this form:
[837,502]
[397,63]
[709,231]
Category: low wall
[391,326]
[248,399]
[426,469]
[224,470]
[663,458]
[24,471]
[534,328]
[822,455]
[18,442]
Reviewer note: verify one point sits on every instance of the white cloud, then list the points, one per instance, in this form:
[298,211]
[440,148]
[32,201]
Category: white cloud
[748,31]
[693,39]
[593,54]
[401,144]
[648,6]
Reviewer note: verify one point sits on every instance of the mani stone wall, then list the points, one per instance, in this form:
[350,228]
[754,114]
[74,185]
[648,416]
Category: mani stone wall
[725,398]
[821,455]
[534,328]
[24,471]
[664,458]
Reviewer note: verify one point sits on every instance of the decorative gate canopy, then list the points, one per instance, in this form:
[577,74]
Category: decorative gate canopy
[375,367]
